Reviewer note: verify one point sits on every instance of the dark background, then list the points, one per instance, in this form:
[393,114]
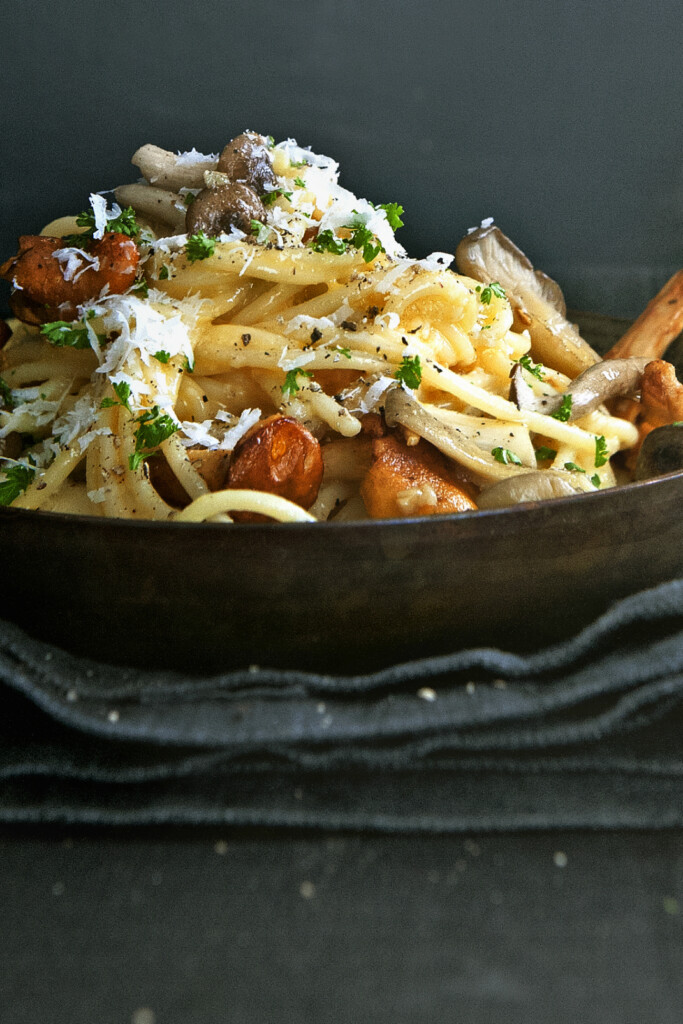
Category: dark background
[562,121]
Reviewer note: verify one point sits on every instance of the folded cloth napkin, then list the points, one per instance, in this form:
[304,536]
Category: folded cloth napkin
[587,733]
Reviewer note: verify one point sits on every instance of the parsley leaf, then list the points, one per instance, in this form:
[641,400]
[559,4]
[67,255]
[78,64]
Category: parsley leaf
[601,453]
[61,334]
[410,372]
[122,392]
[154,427]
[327,241]
[595,480]
[17,479]
[163,273]
[564,412]
[189,198]
[534,368]
[573,468]
[545,453]
[393,212]
[188,366]
[141,288]
[346,352]
[262,231]
[6,395]
[486,294]
[300,182]
[125,224]
[162,355]
[362,238]
[505,456]
[291,384]
[268,198]
[199,247]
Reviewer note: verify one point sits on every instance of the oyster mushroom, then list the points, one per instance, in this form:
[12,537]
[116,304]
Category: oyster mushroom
[541,485]
[661,452]
[486,254]
[611,378]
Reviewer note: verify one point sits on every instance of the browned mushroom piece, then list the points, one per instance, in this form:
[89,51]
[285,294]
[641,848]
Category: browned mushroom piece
[279,456]
[219,209]
[246,159]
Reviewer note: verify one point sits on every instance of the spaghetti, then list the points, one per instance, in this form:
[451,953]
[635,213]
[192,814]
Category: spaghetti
[151,401]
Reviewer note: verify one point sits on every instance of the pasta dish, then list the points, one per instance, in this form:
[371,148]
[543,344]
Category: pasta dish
[238,338]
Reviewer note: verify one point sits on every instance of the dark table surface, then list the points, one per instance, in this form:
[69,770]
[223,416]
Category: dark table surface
[212,926]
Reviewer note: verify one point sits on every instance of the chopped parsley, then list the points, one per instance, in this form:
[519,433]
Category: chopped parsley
[154,427]
[6,395]
[163,273]
[188,366]
[122,392]
[268,198]
[536,369]
[327,241]
[63,334]
[573,468]
[291,384]
[162,355]
[393,212]
[601,453]
[362,238]
[505,456]
[595,480]
[565,410]
[17,479]
[300,182]
[189,198]
[141,288]
[410,372]
[125,224]
[487,293]
[346,352]
[262,231]
[543,453]
[199,247]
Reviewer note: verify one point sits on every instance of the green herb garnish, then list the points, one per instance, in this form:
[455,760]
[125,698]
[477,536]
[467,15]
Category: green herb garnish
[410,372]
[486,294]
[300,182]
[63,334]
[122,392]
[199,247]
[162,355]
[17,479]
[393,212]
[6,395]
[565,410]
[601,453]
[505,456]
[536,369]
[291,384]
[595,480]
[327,241]
[154,427]
[545,453]
[573,468]
[163,272]
[268,198]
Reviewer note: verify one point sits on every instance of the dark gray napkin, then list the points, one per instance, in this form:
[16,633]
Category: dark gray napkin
[585,733]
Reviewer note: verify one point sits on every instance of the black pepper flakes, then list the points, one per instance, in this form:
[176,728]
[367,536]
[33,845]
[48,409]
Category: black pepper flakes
[246,338]
[316,334]
[349,325]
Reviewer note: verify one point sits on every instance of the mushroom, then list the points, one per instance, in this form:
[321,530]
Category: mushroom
[611,378]
[246,158]
[401,407]
[170,170]
[219,209]
[537,486]
[661,452]
[486,254]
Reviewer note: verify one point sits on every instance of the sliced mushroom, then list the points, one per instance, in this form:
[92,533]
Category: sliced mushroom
[541,485]
[611,378]
[157,204]
[170,170]
[246,158]
[661,452]
[401,407]
[488,255]
[219,209]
